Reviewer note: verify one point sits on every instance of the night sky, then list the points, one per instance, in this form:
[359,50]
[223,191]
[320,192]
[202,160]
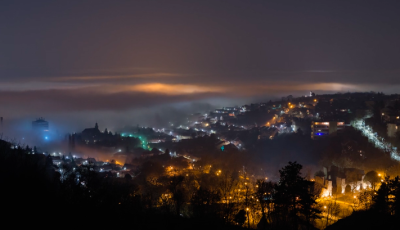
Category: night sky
[74,58]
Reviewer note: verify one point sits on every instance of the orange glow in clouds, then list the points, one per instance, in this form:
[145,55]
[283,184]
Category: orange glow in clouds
[173,88]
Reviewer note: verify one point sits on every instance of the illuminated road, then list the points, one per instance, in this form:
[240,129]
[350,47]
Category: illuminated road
[374,138]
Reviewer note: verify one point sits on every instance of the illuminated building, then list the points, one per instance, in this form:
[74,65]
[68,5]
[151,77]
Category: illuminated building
[40,125]
[325,128]
[390,115]
[392,129]
[335,180]
[91,134]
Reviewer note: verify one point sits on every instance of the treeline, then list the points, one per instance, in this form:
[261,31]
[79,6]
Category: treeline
[32,191]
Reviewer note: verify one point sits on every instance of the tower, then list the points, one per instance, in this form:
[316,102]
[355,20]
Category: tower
[40,125]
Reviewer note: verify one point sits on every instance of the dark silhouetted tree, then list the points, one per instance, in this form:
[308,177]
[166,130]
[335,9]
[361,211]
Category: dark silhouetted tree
[128,176]
[293,200]
[202,202]
[299,131]
[177,192]
[240,217]
[264,194]
[373,178]
[381,200]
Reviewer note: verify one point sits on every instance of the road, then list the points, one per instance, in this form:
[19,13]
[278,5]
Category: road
[374,138]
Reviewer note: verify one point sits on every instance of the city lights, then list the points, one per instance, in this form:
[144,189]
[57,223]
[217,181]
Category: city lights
[138,96]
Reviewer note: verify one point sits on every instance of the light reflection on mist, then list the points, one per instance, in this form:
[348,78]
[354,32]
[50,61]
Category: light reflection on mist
[19,129]
[174,88]
[101,155]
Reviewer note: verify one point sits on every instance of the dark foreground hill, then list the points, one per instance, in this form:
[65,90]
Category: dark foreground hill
[31,193]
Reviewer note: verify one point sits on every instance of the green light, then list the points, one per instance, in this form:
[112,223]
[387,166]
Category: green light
[130,135]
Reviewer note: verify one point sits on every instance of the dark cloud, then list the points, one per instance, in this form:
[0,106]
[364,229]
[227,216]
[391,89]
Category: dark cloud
[52,51]
[59,101]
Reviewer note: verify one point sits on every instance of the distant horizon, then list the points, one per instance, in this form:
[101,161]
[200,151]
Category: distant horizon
[66,60]
[71,122]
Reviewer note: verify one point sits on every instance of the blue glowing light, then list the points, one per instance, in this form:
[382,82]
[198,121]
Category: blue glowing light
[46,137]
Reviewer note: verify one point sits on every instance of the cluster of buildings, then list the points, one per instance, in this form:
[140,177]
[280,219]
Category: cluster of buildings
[285,116]
[326,115]
[337,181]
[70,163]
[390,115]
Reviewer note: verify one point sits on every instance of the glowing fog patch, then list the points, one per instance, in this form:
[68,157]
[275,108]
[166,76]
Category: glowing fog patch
[173,88]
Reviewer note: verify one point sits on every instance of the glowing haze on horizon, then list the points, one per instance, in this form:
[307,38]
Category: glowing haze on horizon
[121,62]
